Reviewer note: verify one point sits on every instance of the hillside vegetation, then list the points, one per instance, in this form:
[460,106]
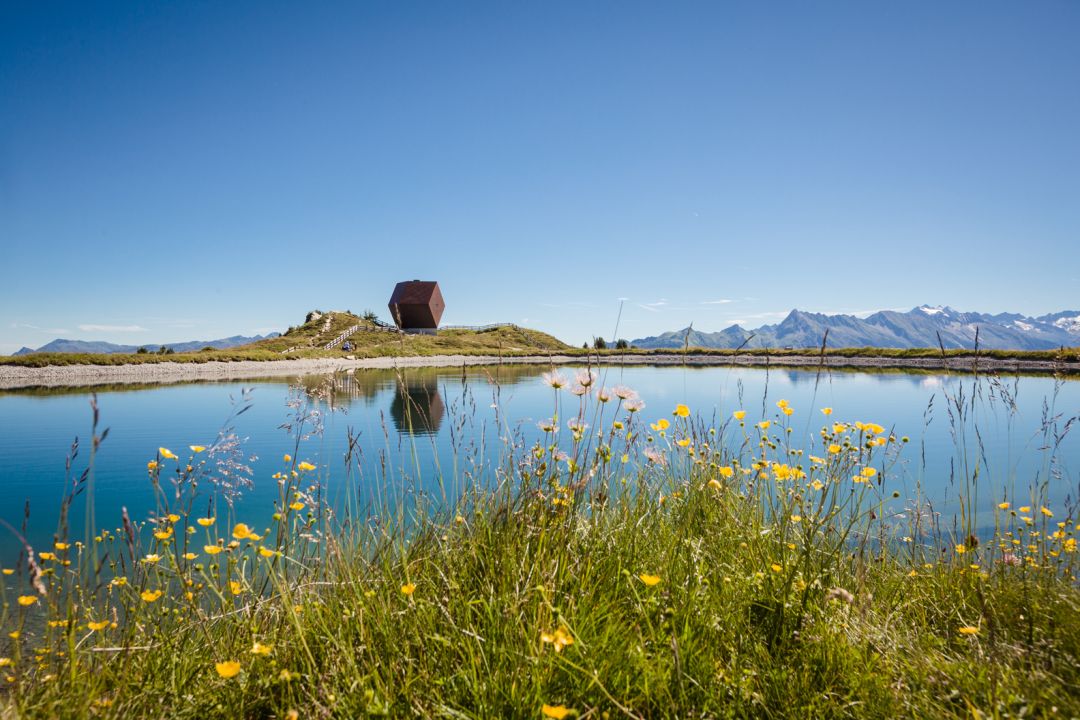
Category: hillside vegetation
[309,339]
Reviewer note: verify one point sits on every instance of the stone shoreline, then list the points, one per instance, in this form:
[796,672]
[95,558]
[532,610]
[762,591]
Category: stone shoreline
[13,376]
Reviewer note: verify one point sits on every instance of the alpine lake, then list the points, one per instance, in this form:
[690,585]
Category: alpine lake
[378,437]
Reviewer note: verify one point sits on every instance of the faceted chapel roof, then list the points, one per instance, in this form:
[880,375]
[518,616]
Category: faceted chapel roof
[417,304]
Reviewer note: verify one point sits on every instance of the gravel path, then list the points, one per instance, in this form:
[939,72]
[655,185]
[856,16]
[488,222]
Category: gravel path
[12,376]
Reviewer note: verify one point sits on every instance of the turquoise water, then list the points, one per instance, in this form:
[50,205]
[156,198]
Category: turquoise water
[444,427]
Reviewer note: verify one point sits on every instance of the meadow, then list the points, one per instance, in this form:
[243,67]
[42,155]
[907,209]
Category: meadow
[635,561]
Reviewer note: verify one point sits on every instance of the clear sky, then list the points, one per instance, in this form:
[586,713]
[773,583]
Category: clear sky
[189,170]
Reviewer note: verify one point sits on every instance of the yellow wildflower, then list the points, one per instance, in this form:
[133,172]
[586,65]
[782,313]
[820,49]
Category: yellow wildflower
[826,411]
[305,466]
[681,411]
[266,552]
[408,589]
[95,626]
[557,712]
[649,580]
[150,595]
[241,531]
[559,639]
[197,448]
[1046,511]
[235,588]
[764,424]
[739,414]
[1003,506]
[968,630]
[961,549]
[227,669]
[834,449]
[166,453]
[27,600]
[296,506]
[61,546]
[205,521]
[776,567]
[259,649]
[212,549]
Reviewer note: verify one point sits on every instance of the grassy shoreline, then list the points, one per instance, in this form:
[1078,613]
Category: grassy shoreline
[1068,358]
[632,563]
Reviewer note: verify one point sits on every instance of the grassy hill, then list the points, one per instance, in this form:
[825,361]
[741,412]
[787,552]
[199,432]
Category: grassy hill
[309,339]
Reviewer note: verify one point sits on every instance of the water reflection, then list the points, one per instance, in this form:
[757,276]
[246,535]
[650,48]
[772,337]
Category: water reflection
[417,407]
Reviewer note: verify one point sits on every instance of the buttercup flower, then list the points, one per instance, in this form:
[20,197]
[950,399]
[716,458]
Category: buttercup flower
[559,639]
[227,669]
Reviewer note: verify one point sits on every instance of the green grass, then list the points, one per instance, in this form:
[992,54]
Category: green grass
[767,595]
[308,340]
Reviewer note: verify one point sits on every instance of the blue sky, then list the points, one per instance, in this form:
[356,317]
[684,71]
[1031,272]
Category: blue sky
[176,171]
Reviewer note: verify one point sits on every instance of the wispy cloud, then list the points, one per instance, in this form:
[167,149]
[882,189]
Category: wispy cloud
[722,301]
[28,326]
[112,328]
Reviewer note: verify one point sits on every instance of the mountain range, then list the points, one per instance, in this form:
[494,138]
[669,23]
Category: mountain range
[921,327]
[89,346]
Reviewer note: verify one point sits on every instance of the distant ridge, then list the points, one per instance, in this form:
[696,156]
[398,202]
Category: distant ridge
[920,327]
[88,346]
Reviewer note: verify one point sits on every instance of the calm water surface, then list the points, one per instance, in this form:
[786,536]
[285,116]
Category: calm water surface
[409,426]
